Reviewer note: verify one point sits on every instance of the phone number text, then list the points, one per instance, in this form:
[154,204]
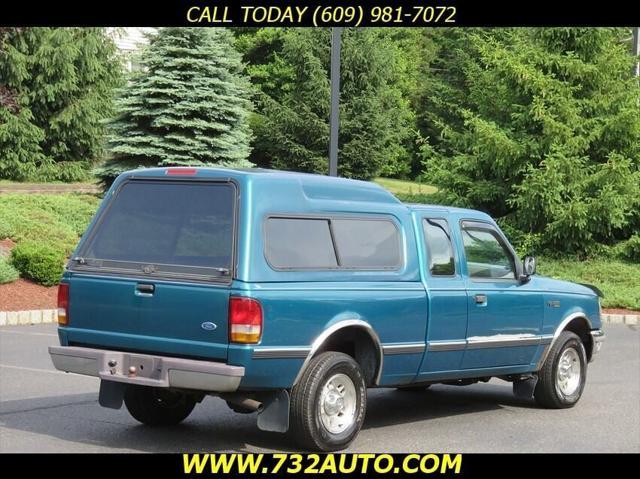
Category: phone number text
[323,15]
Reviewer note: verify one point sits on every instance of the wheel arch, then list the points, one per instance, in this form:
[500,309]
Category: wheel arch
[354,337]
[577,323]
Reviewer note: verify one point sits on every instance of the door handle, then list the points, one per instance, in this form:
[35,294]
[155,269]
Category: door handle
[480,298]
[145,289]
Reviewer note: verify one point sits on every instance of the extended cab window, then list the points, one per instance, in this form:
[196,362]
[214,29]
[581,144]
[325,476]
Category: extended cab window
[367,244]
[439,247]
[165,228]
[332,243]
[486,253]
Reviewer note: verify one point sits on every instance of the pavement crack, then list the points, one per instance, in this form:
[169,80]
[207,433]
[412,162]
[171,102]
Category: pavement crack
[44,408]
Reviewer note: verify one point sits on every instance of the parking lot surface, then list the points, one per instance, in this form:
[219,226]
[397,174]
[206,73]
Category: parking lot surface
[44,410]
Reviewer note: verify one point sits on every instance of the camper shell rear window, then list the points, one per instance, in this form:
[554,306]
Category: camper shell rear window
[165,228]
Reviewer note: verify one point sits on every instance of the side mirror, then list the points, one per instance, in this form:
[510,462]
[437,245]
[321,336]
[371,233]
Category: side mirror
[529,265]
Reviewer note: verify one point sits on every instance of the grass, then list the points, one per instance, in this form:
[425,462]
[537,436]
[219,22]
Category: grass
[404,187]
[619,281]
[53,219]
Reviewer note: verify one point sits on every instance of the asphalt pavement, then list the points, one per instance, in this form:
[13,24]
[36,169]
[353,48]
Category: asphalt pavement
[44,410]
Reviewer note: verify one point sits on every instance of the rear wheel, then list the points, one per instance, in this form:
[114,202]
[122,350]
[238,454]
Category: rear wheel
[562,377]
[157,406]
[328,404]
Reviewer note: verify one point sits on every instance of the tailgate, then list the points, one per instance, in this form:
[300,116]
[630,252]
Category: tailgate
[185,320]
[154,272]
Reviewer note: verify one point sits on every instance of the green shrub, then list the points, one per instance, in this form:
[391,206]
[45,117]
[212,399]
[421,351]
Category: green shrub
[630,249]
[524,243]
[8,274]
[435,198]
[39,262]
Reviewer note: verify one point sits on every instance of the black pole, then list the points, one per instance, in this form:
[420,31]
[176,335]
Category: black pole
[334,116]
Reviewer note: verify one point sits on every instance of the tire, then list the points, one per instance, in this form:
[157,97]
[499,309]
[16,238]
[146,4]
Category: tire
[157,407]
[328,403]
[560,383]
[413,389]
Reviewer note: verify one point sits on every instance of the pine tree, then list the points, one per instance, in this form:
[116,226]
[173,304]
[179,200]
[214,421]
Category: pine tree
[540,127]
[187,106]
[56,89]
[291,68]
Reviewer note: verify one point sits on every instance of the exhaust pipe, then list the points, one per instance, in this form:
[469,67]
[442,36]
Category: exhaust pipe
[244,403]
[272,408]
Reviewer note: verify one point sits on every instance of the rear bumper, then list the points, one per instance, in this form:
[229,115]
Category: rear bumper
[597,338]
[147,370]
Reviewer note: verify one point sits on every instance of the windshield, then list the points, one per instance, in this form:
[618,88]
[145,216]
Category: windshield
[165,228]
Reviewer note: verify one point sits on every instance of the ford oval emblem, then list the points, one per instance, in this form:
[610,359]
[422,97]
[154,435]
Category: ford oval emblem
[208,326]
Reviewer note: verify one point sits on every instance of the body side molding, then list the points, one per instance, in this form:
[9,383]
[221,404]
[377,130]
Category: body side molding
[403,348]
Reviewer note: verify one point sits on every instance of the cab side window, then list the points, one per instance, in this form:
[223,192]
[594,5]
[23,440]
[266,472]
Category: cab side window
[487,255]
[439,247]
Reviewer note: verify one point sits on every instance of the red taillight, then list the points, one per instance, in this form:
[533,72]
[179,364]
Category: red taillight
[245,320]
[63,304]
[181,171]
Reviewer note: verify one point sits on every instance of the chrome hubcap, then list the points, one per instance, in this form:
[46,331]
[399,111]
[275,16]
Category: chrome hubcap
[568,372]
[337,403]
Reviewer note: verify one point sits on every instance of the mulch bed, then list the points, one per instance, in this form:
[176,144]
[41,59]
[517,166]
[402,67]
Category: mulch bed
[5,247]
[24,295]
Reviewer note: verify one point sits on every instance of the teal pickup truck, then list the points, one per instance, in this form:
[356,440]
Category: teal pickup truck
[290,294]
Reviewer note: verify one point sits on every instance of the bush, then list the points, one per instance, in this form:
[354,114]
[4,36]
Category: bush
[436,198]
[39,262]
[524,243]
[8,274]
[630,249]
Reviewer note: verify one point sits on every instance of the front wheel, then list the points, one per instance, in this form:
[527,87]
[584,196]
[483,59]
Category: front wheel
[158,406]
[562,377]
[328,404]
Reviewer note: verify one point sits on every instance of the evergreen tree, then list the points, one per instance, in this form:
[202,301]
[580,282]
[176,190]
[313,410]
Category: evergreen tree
[291,68]
[187,106]
[56,89]
[539,126]
[413,51]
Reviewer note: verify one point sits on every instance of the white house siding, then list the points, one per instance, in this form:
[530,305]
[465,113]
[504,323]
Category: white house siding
[129,40]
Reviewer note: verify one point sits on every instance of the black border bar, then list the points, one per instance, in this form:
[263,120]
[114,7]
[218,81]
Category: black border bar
[468,13]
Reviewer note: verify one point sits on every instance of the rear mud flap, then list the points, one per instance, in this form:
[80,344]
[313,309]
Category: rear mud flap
[111,394]
[274,415]
[524,388]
